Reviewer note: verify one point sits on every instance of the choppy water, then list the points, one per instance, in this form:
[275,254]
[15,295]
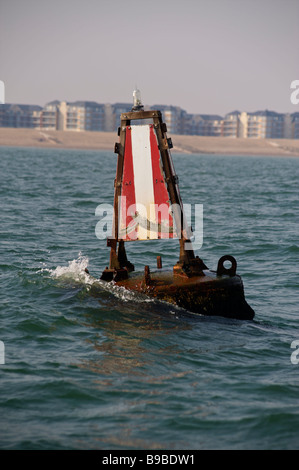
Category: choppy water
[119,372]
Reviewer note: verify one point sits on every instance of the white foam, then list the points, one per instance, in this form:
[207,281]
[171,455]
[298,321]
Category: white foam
[75,270]
[124,294]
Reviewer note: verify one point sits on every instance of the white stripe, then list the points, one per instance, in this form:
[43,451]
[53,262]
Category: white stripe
[143,173]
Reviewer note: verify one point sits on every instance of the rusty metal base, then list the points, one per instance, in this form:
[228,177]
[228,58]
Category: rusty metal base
[206,294]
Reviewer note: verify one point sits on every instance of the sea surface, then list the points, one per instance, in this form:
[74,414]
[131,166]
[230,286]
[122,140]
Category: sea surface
[120,371]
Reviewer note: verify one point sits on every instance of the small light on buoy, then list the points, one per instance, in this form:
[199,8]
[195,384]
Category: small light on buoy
[137,104]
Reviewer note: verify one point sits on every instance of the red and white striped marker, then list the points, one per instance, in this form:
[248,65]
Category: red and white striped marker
[144,203]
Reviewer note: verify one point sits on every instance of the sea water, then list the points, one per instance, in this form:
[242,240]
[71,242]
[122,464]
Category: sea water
[120,371]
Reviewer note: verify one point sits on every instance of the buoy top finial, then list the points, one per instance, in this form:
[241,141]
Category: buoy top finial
[137,104]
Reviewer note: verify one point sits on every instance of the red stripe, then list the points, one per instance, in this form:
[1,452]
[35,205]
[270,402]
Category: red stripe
[128,186]
[160,192]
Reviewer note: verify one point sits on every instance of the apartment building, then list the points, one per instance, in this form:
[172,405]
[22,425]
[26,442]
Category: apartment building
[256,125]
[231,124]
[49,116]
[203,124]
[117,110]
[265,125]
[91,116]
[77,116]
[174,118]
[20,115]
[295,125]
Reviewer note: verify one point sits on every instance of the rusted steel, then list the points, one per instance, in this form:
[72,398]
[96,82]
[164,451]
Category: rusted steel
[136,115]
[147,276]
[206,295]
[171,180]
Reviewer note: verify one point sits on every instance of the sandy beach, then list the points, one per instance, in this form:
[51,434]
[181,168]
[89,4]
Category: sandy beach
[181,143]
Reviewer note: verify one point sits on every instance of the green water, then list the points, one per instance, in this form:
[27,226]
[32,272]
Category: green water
[119,372]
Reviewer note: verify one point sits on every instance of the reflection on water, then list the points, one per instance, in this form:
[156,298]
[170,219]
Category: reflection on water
[126,339]
[126,324]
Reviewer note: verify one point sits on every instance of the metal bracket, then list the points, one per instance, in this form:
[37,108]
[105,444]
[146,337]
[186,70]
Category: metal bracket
[221,269]
[163,127]
[169,141]
[109,241]
[174,179]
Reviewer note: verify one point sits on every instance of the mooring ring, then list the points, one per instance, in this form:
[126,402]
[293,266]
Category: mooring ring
[221,269]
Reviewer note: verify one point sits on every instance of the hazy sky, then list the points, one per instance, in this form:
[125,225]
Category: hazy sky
[206,56]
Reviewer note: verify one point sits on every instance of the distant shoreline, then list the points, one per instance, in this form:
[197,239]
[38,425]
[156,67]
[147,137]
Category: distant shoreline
[186,144]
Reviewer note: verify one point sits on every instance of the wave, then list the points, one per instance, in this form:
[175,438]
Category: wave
[75,270]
